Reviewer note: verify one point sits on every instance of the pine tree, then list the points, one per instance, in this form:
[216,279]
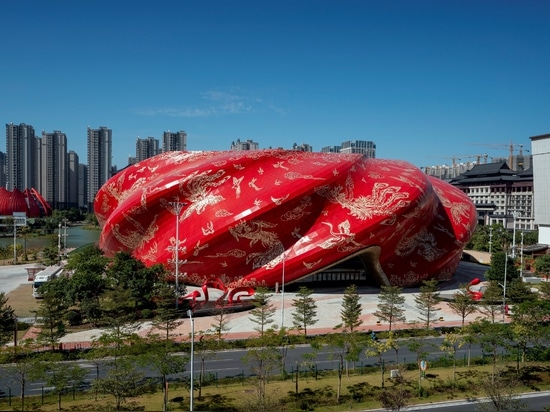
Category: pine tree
[491,301]
[167,315]
[51,313]
[305,313]
[351,309]
[390,305]
[462,304]
[427,301]
[220,322]
[263,311]
[7,320]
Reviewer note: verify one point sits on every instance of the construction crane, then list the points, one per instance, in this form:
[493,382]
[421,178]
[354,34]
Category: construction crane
[510,147]
[458,158]
[478,157]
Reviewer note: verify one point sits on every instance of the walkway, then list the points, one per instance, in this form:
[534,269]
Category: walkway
[329,303]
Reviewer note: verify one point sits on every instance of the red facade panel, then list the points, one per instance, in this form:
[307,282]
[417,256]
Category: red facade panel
[248,214]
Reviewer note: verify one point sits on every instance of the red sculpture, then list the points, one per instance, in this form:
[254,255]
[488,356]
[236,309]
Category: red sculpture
[250,218]
[28,201]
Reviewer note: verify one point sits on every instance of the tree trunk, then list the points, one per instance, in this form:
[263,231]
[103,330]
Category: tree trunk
[23,396]
[340,372]
[165,393]
[454,367]
[201,377]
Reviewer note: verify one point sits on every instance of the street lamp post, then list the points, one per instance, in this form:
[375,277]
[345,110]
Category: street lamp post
[490,239]
[283,295]
[515,215]
[521,259]
[64,238]
[177,206]
[504,287]
[59,244]
[190,314]
[14,241]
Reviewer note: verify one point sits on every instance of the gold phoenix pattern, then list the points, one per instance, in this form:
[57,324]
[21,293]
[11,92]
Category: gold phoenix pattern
[246,214]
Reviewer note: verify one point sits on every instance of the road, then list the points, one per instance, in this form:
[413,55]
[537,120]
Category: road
[533,402]
[11,277]
[230,364]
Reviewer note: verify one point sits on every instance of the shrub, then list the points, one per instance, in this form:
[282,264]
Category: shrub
[147,314]
[308,400]
[23,326]
[73,317]
[216,402]
[361,391]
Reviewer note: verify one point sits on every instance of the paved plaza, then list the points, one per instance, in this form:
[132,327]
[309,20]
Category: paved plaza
[329,304]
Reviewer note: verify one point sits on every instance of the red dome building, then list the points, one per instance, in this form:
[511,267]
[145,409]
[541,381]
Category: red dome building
[29,201]
[252,218]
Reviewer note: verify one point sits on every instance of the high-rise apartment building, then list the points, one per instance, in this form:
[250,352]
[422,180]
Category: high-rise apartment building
[330,149]
[53,169]
[304,147]
[146,148]
[72,179]
[2,169]
[99,160]
[448,172]
[22,157]
[248,145]
[366,147]
[174,141]
[82,185]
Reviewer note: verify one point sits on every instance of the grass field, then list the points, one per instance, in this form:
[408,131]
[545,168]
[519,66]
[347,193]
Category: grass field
[240,396]
[22,301]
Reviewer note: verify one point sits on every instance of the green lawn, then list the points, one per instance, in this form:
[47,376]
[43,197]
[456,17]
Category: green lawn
[315,393]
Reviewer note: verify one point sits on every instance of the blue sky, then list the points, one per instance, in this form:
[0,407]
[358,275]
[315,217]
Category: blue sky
[425,80]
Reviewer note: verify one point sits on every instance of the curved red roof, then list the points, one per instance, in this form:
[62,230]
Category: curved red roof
[17,202]
[29,201]
[45,208]
[4,202]
[251,218]
[34,209]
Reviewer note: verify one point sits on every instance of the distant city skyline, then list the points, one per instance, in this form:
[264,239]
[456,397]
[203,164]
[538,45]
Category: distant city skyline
[43,162]
[483,151]
[426,80]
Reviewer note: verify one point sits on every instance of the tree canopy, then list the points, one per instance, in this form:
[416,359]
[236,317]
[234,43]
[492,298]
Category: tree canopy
[542,265]
[427,302]
[390,305]
[6,319]
[351,309]
[502,264]
[305,310]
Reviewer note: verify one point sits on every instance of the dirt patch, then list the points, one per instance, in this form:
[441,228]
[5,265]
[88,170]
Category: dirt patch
[22,301]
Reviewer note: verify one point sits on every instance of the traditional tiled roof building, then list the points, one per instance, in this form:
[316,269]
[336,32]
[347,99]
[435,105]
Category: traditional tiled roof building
[500,195]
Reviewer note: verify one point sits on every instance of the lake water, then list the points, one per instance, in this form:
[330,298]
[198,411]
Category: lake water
[76,236]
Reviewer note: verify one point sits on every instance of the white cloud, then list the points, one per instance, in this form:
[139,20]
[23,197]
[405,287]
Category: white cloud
[219,103]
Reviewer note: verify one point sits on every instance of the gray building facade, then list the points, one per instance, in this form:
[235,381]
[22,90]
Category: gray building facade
[174,141]
[366,147]
[53,169]
[99,161]
[540,150]
[22,149]
[146,148]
